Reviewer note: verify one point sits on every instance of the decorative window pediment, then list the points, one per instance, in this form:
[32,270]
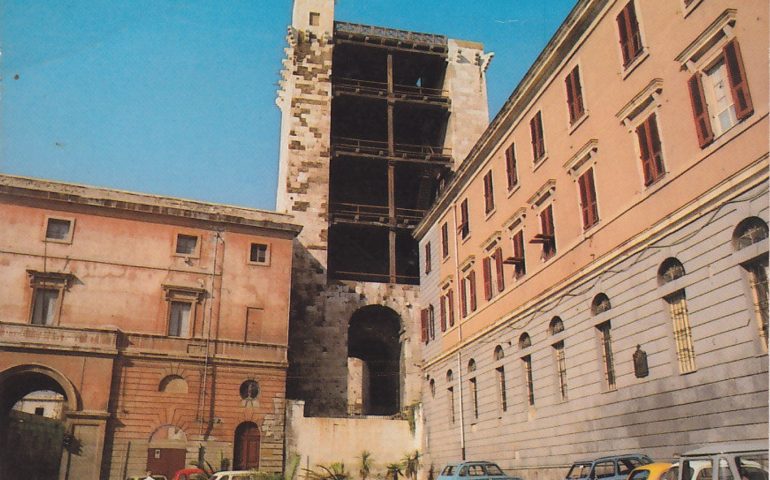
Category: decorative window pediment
[516,219]
[58,280]
[184,293]
[468,263]
[543,194]
[583,159]
[633,110]
[492,241]
[711,39]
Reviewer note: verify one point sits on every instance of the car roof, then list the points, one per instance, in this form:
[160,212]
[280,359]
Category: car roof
[610,457]
[728,447]
[655,467]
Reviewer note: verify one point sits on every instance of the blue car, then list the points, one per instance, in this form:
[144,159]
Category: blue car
[474,471]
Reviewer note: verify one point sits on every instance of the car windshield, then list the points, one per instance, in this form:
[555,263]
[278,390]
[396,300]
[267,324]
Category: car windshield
[448,470]
[752,467]
[579,470]
[493,469]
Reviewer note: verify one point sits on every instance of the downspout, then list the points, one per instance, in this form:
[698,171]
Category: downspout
[202,396]
[459,336]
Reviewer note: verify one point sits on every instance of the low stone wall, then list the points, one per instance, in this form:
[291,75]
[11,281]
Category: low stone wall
[326,440]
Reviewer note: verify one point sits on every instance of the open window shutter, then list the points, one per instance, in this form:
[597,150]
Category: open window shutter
[584,201]
[624,35]
[451,307]
[635,39]
[518,252]
[424,324]
[464,216]
[463,299]
[700,112]
[443,312]
[487,278]
[570,97]
[472,288]
[644,150]
[536,132]
[593,211]
[499,266]
[739,86]
[577,93]
[510,164]
[655,147]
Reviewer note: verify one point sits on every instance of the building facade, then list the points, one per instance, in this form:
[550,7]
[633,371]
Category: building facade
[595,277]
[373,120]
[162,323]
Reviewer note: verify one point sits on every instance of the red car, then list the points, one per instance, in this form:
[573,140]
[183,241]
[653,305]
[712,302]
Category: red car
[190,474]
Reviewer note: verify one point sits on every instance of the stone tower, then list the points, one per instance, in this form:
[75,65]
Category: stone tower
[373,121]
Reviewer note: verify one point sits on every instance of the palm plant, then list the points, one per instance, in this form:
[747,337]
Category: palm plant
[366,464]
[411,463]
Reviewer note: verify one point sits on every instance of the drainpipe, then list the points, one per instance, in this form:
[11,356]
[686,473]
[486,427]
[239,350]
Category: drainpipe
[202,404]
[459,336]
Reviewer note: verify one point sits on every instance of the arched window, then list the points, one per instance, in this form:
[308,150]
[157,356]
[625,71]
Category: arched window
[670,270]
[432,384]
[499,353]
[474,390]
[601,303]
[556,326]
[249,390]
[449,376]
[173,384]
[524,341]
[471,365]
[750,231]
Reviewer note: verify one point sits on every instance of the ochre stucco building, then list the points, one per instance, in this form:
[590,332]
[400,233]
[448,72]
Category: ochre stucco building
[594,278]
[162,322]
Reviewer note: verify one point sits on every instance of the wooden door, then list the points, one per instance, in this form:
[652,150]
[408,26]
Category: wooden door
[165,461]
[246,451]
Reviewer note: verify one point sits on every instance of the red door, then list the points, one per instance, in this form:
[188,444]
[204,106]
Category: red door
[246,451]
[165,461]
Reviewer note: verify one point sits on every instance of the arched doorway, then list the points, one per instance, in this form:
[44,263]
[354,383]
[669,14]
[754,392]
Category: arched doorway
[374,355]
[246,446]
[34,401]
[167,450]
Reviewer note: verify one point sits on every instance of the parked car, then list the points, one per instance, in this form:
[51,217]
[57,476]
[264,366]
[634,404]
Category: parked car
[142,477]
[235,475]
[190,474]
[615,467]
[655,471]
[726,461]
[479,470]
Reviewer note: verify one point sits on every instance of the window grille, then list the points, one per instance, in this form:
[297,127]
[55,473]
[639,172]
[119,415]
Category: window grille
[682,333]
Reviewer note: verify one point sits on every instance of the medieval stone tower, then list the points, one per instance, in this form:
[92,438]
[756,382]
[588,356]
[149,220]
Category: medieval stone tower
[373,121]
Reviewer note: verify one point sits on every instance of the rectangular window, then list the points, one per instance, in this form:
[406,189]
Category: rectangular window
[546,237]
[650,150]
[450,298]
[58,230]
[757,271]
[179,319]
[451,400]
[501,388]
[44,306]
[487,274]
[424,325]
[518,260]
[588,199]
[685,352]
[493,282]
[489,198]
[186,244]
[720,95]
[259,254]
[474,397]
[472,290]
[606,349]
[432,322]
[561,369]
[468,294]
[510,167]
[574,95]
[444,240]
[315,19]
[538,143]
[443,312]
[427,258]
[465,228]
[630,37]
[527,362]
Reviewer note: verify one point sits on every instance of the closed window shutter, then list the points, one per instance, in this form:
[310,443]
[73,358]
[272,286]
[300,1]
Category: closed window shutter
[644,150]
[570,97]
[487,278]
[593,210]
[624,35]
[536,130]
[443,312]
[445,240]
[577,93]
[510,167]
[700,112]
[633,30]
[489,201]
[499,266]
[463,299]
[472,288]
[424,324]
[451,307]
[427,258]
[464,217]
[655,147]
[584,202]
[518,252]
[739,86]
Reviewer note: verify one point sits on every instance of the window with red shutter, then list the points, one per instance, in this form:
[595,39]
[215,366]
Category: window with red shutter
[630,36]
[489,199]
[472,290]
[431,322]
[464,225]
[442,312]
[510,167]
[487,274]
[700,111]
[536,130]
[574,95]
[546,236]
[650,150]
[463,298]
[424,324]
[498,256]
[450,297]
[519,262]
[739,86]
[588,198]
[445,240]
[427,258]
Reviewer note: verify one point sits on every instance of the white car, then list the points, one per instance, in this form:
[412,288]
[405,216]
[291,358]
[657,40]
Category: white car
[235,475]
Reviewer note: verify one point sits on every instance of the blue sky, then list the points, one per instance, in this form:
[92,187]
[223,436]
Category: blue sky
[178,97]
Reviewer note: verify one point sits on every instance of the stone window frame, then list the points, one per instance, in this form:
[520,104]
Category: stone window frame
[268,251]
[630,64]
[574,88]
[752,258]
[672,280]
[39,281]
[183,294]
[498,357]
[70,233]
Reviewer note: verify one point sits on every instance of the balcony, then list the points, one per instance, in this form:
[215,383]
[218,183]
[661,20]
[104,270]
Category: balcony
[379,90]
[45,337]
[402,152]
[390,38]
[376,215]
